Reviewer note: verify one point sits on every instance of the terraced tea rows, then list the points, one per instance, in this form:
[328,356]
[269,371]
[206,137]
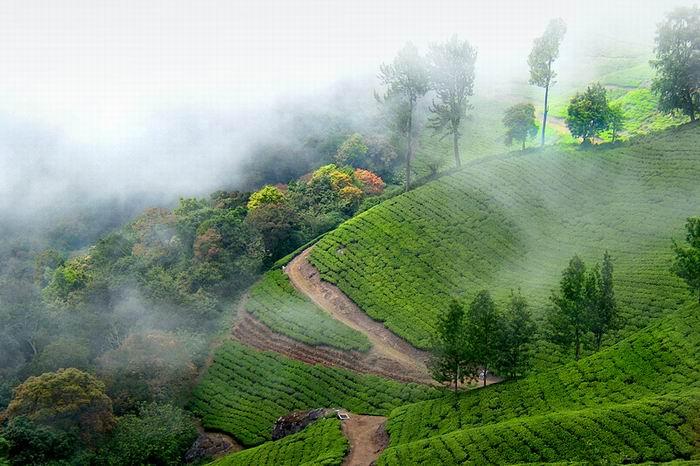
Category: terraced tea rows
[659,360]
[276,303]
[656,429]
[320,443]
[515,221]
[244,392]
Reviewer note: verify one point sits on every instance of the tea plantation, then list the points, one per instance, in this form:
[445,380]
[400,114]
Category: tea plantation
[321,443]
[655,429]
[661,359]
[514,222]
[244,392]
[276,303]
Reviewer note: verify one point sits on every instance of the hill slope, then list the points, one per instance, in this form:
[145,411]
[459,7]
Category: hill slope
[514,222]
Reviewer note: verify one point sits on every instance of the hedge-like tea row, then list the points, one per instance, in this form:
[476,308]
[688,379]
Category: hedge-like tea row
[655,429]
[514,222]
[661,359]
[320,443]
[276,303]
[244,391]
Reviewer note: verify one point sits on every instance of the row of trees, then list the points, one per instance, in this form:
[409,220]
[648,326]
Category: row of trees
[473,341]
[478,339]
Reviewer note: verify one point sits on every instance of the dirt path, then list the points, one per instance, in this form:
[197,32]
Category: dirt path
[368,438]
[385,344]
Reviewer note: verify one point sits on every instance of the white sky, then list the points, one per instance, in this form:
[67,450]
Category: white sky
[97,69]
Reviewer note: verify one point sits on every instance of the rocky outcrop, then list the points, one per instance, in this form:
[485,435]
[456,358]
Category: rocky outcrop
[297,420]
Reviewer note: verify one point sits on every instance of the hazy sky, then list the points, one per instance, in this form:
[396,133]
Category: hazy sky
[105,82]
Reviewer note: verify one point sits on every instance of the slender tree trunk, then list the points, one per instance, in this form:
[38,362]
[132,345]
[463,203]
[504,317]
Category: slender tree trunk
[456,379]
[455,146]
[578,345]
[409,149]
[485,374]
[523,144]
[546,103]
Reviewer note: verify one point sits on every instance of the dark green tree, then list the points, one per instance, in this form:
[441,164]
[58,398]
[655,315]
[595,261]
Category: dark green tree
[516,336]
[687,261]
[520,124]
[544,52]
[616,120]
[448,361]
[406,81]
[568,317]
[677,63]
[451,68]
[601,303]
[588,113]
[484,326]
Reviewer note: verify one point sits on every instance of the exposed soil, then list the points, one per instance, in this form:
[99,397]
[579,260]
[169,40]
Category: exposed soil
[368,438]
[385,344]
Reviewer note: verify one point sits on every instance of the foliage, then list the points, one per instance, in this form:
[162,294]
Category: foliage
[371,183]
[148,366]
[516,335]
[687,260]
[278,225]
[265,195]
[616,119]
[568,319]
[658,360]
[352,151]
[514,222]
[677,63]
[244,391]
[451,71]
[32,443]
[63,353]
[406,80]
[278,305]
[322,442]
[519,121]
[588,113]
[545,51]
[449,353]
[483,332]
[160,434]
[68,399]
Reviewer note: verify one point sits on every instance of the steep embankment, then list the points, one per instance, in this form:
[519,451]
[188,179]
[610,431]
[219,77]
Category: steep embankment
[514,222]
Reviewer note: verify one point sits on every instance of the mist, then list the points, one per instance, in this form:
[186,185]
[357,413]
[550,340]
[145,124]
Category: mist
[118,100]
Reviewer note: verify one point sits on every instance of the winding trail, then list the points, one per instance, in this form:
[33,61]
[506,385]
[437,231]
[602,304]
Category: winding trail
[385,344]
[367,437]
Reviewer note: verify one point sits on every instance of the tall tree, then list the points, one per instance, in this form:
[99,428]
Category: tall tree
[451,69]
[687,261]
[483,331]
[588,113]
[544,52]
[406,81]
[616,120]
[518,332]
[568,317]
[677,63]
[448,362]
[519,121]
[600,294]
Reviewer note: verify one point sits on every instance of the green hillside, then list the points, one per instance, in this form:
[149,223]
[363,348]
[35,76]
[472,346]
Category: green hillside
[244,391]
[276,303]
[320,443]
[514,222]
[639,400]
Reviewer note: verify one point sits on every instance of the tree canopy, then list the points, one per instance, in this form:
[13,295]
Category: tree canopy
[520,124]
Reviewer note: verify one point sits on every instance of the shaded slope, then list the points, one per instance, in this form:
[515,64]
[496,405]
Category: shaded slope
[514,222]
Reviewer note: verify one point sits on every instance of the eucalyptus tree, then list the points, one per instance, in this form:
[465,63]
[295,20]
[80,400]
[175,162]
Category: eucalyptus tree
[406,81]
[544,52]
[451,69]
